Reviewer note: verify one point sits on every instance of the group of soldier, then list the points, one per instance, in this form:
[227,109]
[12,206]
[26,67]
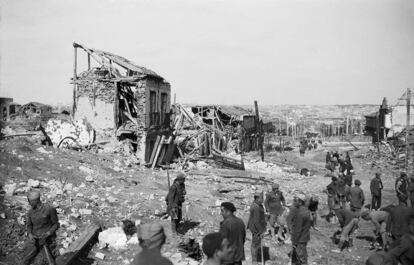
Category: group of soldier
[393,225]
[334,161]
[227,245]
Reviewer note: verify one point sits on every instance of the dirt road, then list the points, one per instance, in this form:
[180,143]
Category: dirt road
[114,189]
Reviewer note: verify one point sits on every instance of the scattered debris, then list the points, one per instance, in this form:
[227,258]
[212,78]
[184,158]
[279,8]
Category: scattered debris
[113,237]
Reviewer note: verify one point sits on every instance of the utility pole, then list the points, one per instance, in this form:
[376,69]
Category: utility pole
[407,129]
[260,127]
[75,63]
[378,132]
[347,125]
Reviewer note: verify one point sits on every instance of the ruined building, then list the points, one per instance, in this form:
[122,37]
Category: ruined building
[121,100]
[8,108]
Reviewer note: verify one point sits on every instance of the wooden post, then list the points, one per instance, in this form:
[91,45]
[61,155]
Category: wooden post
[89,62]
[347,125]
[407,128]
[75,63]
[174,97]
[377,132]
[256,107]
[280,144]
[116,106]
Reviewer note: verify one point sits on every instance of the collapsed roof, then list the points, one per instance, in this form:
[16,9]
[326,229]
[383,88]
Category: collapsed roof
[109,60]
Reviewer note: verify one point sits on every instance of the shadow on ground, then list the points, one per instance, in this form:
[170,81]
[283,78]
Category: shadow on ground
[187,225]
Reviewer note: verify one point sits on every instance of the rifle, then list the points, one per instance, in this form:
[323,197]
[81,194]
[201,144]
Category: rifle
[49,257]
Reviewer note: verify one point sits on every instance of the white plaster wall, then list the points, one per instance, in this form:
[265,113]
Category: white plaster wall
[399,118]
[100,115]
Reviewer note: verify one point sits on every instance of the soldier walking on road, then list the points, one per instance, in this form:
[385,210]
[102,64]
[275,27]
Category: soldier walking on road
[356,197]
[333,199]
[234,230]
[401,188]
[257,225]
[376,188]
[299,224]
[174,200]
[274,204]
[342,189]
[328,157]
[42,223]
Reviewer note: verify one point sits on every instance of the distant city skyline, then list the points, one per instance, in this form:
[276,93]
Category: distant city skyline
[295,52]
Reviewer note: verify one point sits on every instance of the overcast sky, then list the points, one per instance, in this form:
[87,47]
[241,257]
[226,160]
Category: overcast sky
[220,52]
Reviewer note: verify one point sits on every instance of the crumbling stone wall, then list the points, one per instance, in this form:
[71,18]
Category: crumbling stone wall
[95,102]
[141,99]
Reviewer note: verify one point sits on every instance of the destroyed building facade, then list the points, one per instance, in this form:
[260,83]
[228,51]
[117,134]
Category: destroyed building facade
[8,108]
[121,100]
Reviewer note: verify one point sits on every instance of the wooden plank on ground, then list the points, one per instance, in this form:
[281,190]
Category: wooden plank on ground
[78,245]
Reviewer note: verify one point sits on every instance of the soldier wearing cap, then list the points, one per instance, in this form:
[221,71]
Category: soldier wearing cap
[376,188]
[234,230]
[274,204]
[257,225]
[356,197]
[151,238]
[174,200]
[299,224]
[42,223]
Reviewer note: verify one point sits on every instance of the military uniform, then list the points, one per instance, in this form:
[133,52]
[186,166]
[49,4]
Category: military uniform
[401,188]
[257,225]
[299,222]
[174,200]
[274,205]
[376,188]
[40,222]
[234,230]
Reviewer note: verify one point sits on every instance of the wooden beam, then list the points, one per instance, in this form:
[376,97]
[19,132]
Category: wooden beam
[75,63]
[116,106]
[154,150]
[407,128]
[78,245]
[158,152]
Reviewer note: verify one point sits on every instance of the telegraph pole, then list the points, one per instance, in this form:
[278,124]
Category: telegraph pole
[260,129]
[407,129]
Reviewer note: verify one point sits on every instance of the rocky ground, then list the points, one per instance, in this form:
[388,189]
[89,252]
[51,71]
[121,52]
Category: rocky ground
[109,188]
